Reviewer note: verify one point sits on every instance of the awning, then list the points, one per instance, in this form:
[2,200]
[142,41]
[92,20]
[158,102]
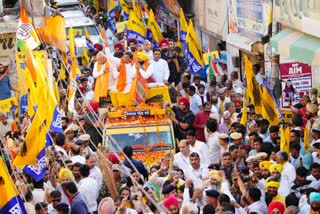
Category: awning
[298,46]
[241,41]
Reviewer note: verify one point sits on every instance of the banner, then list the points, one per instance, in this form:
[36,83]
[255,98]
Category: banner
[214,54]
[250,16]
[154,29]
[183,27]
[136,28]
[121,26]
[38,171]
[300,76]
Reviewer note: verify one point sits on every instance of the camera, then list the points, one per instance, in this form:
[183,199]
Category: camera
[133,197]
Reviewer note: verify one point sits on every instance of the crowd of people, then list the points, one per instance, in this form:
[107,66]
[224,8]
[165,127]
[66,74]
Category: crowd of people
[220,165]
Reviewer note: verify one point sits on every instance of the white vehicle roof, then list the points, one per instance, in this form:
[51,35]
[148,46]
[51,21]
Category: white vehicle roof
[78,21]
[61,3]
[72,13]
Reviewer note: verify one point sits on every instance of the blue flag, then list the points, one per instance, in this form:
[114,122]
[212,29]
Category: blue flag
[56,125]
[111,23]
[39,171]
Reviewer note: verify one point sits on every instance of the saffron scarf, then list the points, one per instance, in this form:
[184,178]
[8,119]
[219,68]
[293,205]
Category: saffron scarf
[102,83]
[122,80]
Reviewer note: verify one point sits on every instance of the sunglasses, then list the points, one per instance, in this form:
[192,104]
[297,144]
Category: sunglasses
[56,200]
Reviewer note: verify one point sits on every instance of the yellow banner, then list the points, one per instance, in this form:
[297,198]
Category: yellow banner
[136,29]
[154,28]
[214,54]
[5,105]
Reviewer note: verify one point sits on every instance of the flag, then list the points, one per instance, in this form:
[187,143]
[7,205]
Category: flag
[103,34]
[306,138]
[244,116]
[62,73]
[145,14]
[194,53]
[88,39]
[183,27]
[35,138]
[284,145]
[111,16]
[85,60]
[253,88]
[71,43]
[125,9]
[10,201]
[154,29]
[269,109]
[136,9]
[136,28]
[25,32]
[38,171]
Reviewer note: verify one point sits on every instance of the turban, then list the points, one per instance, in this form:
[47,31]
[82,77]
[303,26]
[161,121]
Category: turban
[215,174]
[276,204]
[106,205]
[142,56]
[98,46]
[314,196]
[118,46]
[164,41]
[275,184]
[184,100]
[277,167]
[172,200]
[65,173]
[133,40]
[93,106]
[265,164]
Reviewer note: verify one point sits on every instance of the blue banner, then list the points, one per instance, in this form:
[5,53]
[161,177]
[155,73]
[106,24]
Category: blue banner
[56,125]
[39,171]
[89,45]
[194,65]
[111,23]
[15,205]
[183,36]
[132,34]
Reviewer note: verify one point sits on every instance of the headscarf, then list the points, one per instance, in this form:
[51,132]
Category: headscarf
[277,167]
[276,204]
[65,173]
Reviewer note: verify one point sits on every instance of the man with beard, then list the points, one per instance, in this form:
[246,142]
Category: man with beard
[263,128]
[284,185]
[312,115]
[200,121]
[301,181]
[295,137]
[264,170]
[295,155]
[172,204]
[132,44]
[183,119]
[314,172]
[76,172]
[272,186]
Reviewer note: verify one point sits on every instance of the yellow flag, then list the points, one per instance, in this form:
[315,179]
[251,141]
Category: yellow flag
[71,43]
[10,201]
[253,89]
[62,73]
[124,7]
[85,58]
[154,28]
[269,109]
[244,116]
[136,9]
[36,136]
[194,52]
[136,29]
[306,139]
[183,27]
[284,145]
[56,91]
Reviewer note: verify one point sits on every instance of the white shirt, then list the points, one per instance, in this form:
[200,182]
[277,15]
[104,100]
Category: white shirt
[203,150]
[150,54]
[88,187]
[113,76]
[96,174]
[38,196]
[61,150]
[214,148]
[289,172]
[195,103]
[199,177]
[159,69]
[181,161]
[315,159]
[78,158]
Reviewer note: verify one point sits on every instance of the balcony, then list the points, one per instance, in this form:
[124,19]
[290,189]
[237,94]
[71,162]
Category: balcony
[302,15]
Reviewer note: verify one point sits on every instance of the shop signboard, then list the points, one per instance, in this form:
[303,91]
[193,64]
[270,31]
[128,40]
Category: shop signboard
[250,17]
[296,81]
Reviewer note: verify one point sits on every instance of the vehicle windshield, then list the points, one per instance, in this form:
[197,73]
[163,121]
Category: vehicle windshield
[79,30]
